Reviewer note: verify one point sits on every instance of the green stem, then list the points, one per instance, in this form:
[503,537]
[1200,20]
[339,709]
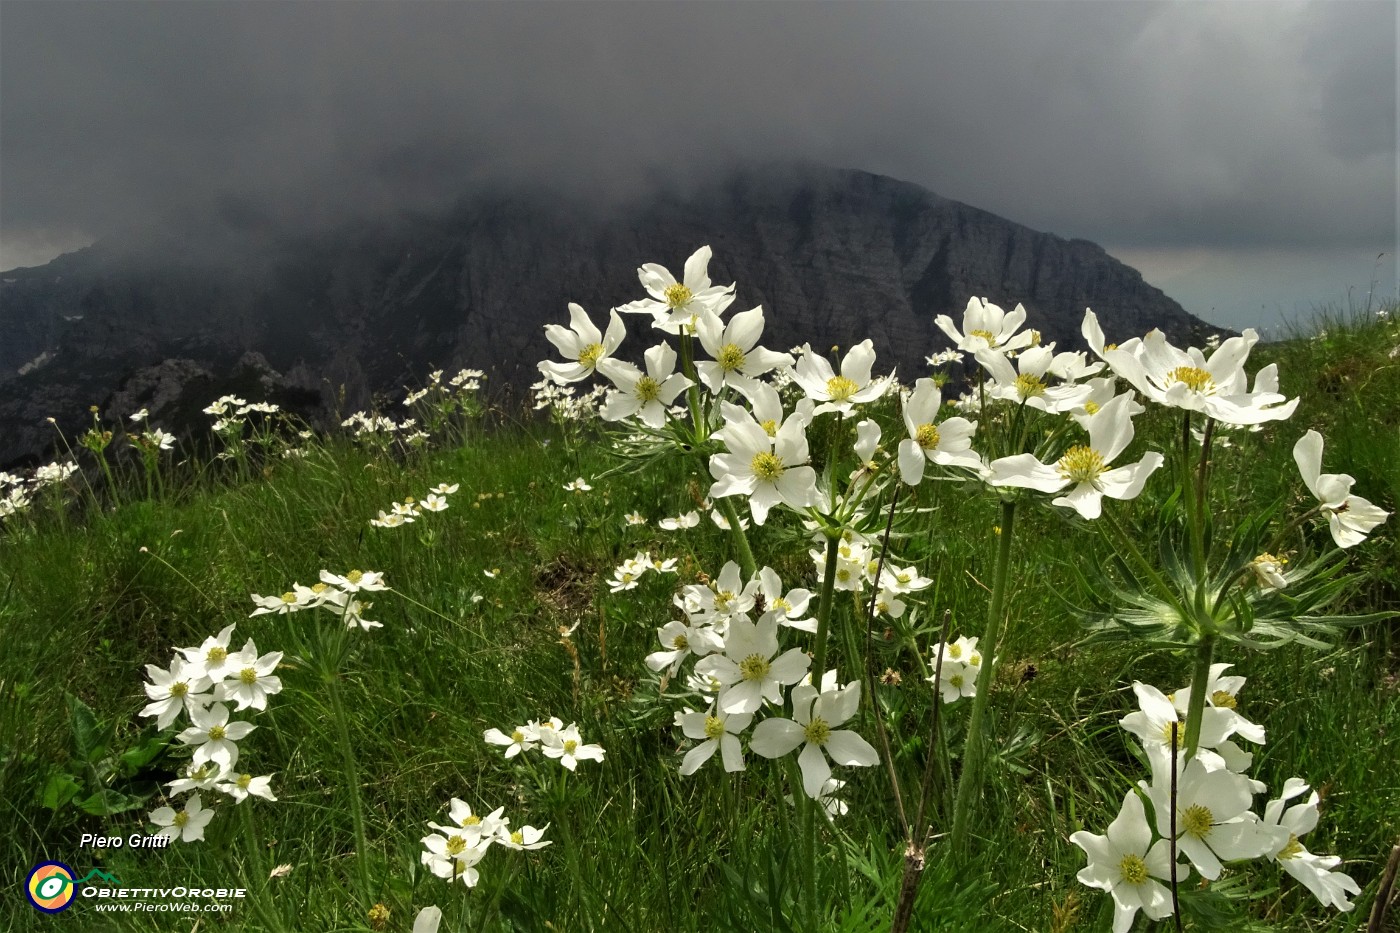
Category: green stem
[1127,545]
[969,784]
[352,777]
[739,537]
[692,394]
[1200,678]
[259,869]
[824,601]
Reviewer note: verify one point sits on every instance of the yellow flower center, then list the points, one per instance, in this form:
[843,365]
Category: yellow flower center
[956,680]
[782,603]
[179,688]
[1193,377]
[456,845]
[244,780]
[840,389]
[754,667]
[1180,733]
[517,837]
[1292,850]
[926,436]
[248,675]
[1223,700]
[677,296]
[517,736]
[730,357]
[1133,869]
[1081,464]
[714,727]
[216,654]
[569,746]
[955,651]
[181,818]
[355,577]
[1197,820]
[472,820]
[1029,385]
[766,466]
[289,597]
[817,731]
[648,389]
[589,355]
[770,427]
[319,588]
[986,335]
[217,733]
[1091,407]
[680,643]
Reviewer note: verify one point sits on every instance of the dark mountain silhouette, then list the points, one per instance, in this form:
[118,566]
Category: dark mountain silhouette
[834,257]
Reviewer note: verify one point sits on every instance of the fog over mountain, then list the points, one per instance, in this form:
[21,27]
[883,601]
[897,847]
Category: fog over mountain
[834,256]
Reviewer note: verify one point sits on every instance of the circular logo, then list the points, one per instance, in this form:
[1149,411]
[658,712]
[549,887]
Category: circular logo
[50,887]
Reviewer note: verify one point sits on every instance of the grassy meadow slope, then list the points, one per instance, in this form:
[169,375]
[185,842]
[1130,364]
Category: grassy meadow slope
[471,640]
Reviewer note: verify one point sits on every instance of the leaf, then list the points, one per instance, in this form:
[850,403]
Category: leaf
[109,802]
[59,790]
[138,756]
[89,736]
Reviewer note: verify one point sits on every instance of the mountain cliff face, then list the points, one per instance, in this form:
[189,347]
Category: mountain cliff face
[833,256]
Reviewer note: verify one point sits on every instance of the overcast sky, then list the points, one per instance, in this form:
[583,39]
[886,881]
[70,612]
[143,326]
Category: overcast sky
[1241,155]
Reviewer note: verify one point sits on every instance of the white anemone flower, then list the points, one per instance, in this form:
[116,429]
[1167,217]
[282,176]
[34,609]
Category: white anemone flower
[183,686]
[750,668]
[733,348]
[675,305]
[1212,821]
[987,327]
[517,741]
[1084,469]
[250,681]
[211,658]
[679,641]
[789,607]
[198,777]
[1101,392]
[720,732]
[1314,871]
[1027,384]
[242,786]
[582,345]
[1156,716]
[1221,695]
[453,856]
[1125,862]
[647,395]
[768,469]
[1349,517]
[356,580]
[945,443]
[814,716]
[680,522]
[214,736]
[957,673]
[186,825]
[526,837]
[568,747]
[833,392]
[479,829]
[1187,379]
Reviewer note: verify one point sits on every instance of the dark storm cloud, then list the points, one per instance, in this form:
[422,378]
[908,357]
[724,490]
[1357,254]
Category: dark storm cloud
[1144,125]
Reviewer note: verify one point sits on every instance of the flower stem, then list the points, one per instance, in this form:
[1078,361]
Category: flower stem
[969,783]
[352,777]
[258,881]
[1200,678]
[833,556]
[739,537]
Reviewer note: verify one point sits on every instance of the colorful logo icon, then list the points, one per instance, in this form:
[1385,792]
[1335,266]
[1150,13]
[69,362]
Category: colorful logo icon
[50,887]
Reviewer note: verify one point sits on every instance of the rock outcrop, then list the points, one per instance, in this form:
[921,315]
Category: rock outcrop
[833,256]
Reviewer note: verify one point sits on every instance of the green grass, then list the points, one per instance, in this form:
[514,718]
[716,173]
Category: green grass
[90,596]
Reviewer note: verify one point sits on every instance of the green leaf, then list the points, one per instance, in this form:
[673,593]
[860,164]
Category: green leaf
[89,736]
[138,756]
[59,790]
[109,802]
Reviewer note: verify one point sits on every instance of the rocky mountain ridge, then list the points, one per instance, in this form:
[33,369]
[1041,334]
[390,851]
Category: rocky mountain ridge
[834,257]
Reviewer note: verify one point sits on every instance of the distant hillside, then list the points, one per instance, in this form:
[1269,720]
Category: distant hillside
[834,256]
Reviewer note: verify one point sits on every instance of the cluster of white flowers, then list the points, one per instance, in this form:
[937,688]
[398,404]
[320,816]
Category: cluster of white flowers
[336,593]
[459,388]
[16,492]
[1208,819]
[627,575]
[200,683]
[377,429]
[452,852]
[408,511]
[563,404]
[558,741]
[956,666]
